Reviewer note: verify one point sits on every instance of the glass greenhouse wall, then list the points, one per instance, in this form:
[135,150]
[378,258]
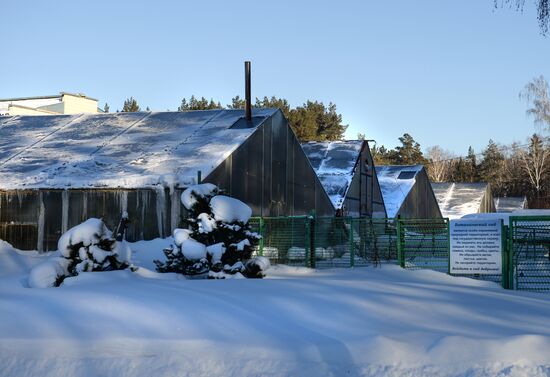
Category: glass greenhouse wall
[271,173]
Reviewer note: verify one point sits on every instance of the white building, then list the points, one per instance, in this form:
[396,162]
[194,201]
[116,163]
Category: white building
[63,103]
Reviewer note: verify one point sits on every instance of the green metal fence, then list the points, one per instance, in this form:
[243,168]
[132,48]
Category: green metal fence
[376,240]
[423,244]
[285,240]
[324,242]
[529,253]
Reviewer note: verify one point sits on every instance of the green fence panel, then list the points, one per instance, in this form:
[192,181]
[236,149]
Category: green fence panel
[326,242]
[375,241]
[285,240]
[424,244]
[332,246]
[529,243]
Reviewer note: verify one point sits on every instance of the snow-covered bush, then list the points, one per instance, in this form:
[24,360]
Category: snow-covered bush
[89,246]
[216,238]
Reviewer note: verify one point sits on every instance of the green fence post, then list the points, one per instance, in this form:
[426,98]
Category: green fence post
[310,241]
[505,260]
[510,252]
[351,248]
[262,235]
[448,246]
[400,253]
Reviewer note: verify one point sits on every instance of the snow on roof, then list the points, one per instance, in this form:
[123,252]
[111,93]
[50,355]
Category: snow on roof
[129,150]
[458,199]
[510,203]
[396,183]
[334,162]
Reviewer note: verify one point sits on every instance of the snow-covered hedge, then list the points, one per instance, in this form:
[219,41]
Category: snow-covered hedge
[217,240]
[89,246]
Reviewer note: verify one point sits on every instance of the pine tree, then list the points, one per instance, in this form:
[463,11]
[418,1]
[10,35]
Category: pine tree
[471,172]
[313,121]
[130,106]
[198,104]
[209,242]
[96,250]
[409,152]
[491,168]
[106,108]
[236,103]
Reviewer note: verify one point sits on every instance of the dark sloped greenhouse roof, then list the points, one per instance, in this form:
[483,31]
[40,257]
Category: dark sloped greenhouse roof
[396,182]
[127,150]
[334,163]
[458,199]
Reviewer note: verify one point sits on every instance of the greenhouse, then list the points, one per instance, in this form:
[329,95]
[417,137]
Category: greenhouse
[56,171]
[407,192]
[459,199]
[507,204]
[348,175]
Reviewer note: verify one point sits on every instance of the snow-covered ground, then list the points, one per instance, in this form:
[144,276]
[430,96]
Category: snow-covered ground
[297,322]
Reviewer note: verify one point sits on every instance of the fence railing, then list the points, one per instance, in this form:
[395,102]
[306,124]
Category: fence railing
[324,242]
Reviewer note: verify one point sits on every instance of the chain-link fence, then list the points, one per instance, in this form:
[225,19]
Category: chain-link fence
[424,244]
[325,242]
[285,240]
[529,248]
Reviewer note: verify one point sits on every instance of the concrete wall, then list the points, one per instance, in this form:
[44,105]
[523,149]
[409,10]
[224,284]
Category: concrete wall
[76,104]
[65,103]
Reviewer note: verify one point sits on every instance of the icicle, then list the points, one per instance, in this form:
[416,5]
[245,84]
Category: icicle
[84,205]
[41,215]
[161,209]
[123,200]
[175,204]
[64,211]
[20,196]
[144,201]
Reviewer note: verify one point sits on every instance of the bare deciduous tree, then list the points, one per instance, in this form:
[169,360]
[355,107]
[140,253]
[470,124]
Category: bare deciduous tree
[543,11]
[536,162]
[536,94]
[439,163]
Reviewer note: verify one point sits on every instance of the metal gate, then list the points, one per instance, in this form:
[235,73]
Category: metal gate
[423,244]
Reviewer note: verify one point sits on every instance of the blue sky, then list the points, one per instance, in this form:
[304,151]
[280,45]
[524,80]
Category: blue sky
[447,72]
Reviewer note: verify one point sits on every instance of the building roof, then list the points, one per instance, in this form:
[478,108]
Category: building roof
[334,163]
[61,94]
[396,182]
[129,150]
[459,199]
[510,203]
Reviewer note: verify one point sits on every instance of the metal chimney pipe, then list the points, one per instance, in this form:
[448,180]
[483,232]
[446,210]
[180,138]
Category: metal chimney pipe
[247,94]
